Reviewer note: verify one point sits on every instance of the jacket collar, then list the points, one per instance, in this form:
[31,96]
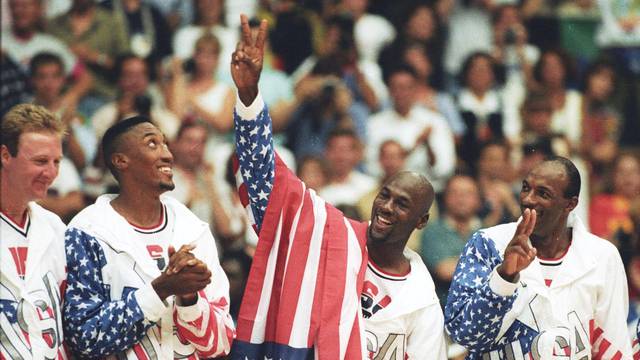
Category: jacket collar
[115,230]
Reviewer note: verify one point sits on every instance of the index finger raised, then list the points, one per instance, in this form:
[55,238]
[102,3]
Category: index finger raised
[522,225]
[262,34]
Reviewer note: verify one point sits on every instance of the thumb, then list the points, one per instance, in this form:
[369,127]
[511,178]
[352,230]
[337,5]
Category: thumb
[171,250]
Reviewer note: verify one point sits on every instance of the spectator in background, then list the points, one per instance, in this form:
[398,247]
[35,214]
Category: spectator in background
[208,19]
[609,212]
[424,134]
[313,171]
[177,13]
[494,174]
[324,104]
[427,95]
[553,74]
[467,17]
[443,240]
[147,30]
[601,121]
[511,48]
[13,84]
[135,96]
[199,95]
[65,197]
[346,184]
[619,37]
[371,32]
[25,39]
[338,56]
[292,34]
[96,38]
[47,82]
[418,25]
[196,186]
[537,115]
[480,105]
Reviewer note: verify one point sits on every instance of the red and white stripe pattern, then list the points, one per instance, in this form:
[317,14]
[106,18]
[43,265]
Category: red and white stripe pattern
[209,336]
[601,347]
[304,286]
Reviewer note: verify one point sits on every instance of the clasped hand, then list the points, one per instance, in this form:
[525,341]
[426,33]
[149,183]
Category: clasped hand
[184,276]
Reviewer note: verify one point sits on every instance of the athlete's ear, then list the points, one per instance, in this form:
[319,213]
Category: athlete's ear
[120,161]
[5,155]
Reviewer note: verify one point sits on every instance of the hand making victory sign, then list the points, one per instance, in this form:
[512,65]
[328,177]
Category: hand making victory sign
[246,61]
[519,253]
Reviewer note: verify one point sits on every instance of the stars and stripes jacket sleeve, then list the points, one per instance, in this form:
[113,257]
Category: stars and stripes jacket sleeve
[96,325]
[256,155]
[478,298]
[207,324]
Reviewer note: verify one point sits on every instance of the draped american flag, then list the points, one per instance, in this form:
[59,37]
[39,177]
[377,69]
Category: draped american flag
[302,296]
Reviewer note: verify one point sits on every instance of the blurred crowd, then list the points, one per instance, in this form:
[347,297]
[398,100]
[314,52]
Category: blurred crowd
[471,93]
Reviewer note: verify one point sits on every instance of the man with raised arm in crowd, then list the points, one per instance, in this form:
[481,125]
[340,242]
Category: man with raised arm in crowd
[543,288]
[321,285]
[130,294]
[33,266]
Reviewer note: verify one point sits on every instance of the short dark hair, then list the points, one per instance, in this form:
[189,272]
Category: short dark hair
[123,59]
[498,70]
[342,131]
[400,68]
[44,58]
[111,139]
[573,187]
[188,124]
[565,59]
[602,64]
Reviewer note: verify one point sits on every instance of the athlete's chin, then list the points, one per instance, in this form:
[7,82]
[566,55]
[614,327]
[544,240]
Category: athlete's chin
[167,186]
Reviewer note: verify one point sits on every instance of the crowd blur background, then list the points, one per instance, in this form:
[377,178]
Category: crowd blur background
[471,93]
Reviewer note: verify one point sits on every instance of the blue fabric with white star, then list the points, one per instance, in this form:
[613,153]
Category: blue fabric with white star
[243,350]
[474,313]
[96,325]
[256,158]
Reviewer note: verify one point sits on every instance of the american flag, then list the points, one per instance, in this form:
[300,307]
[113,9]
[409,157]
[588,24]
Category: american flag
[302,296]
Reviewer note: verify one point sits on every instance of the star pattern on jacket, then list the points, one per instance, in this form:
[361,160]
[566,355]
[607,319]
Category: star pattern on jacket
[474,313]
[256,157]
[97,325]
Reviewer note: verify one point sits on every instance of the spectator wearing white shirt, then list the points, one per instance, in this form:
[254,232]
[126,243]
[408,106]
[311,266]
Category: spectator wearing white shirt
[422,132]
[346,185]
[371,32]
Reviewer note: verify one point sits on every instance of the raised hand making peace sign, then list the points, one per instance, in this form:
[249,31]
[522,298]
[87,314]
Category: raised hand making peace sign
[519,253]
[246,61]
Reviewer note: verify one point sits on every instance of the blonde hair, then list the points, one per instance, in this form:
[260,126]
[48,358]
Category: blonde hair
[207,39]
[28,118]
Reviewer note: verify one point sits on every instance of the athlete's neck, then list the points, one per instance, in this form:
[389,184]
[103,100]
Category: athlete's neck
[389,258]
[137,208]
[12,203]
[553,245]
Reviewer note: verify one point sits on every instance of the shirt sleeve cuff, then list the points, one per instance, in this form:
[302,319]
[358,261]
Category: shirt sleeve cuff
[192,312]
[152,306]
[501,286]
[249,112]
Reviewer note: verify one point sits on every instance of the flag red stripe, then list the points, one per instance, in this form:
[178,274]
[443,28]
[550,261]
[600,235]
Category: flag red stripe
[295,270]
[139,351]
[604,346]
